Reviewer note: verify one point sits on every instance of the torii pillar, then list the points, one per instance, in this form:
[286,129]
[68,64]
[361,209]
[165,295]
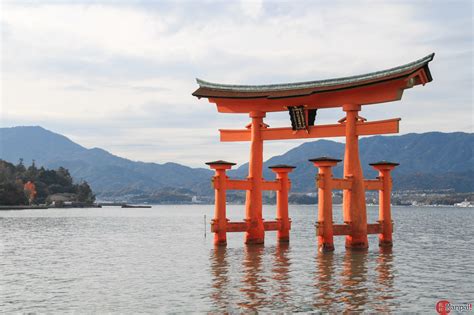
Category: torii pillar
[355,212]
[253,200]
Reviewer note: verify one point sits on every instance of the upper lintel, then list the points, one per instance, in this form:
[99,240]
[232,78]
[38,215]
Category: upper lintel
[302,89]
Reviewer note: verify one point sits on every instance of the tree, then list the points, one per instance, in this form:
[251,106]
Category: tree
[31,173]
[7,172]
[30,191]
[20,168]
[12,194]
[40,184]
[84,193]
[64,177]
[42,192]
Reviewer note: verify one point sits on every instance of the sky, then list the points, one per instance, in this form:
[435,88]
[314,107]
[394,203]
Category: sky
[119,74]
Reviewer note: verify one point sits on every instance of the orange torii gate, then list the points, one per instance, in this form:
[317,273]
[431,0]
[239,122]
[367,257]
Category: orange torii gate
[302,100]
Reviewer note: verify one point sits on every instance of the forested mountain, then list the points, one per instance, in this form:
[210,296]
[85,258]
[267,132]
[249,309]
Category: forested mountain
[105,172]
[430,160]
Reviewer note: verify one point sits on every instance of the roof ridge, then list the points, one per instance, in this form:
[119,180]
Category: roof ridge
[317,83]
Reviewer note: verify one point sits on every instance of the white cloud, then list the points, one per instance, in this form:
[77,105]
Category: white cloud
[252,8]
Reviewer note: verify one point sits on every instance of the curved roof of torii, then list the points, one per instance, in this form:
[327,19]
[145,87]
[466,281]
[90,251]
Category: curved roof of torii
[276,91]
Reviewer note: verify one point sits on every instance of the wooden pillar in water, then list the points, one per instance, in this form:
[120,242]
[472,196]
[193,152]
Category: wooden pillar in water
[283,234]
[324,226]
[385,212]
[219,223]
[355,212]
[253,202]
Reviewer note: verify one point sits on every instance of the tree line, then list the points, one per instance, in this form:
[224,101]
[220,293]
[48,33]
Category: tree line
[21,185]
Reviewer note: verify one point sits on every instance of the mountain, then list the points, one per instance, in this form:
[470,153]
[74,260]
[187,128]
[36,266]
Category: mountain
[107,174]
[430,160]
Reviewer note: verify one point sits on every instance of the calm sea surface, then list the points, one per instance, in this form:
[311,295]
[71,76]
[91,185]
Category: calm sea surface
[158,260]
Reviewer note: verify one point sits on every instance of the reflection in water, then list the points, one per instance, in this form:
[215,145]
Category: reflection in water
[280,273]
[350,281]
[220,278]
[325,282]
[253,278]
[354,287]
[258,289]
[385,279]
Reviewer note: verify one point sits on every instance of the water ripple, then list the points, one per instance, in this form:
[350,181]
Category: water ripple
[157,261]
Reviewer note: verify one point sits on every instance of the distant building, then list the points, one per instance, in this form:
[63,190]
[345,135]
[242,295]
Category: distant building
[62,199]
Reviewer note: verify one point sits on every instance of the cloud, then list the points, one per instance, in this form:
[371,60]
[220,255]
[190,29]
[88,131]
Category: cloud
[84,68]
[252,8]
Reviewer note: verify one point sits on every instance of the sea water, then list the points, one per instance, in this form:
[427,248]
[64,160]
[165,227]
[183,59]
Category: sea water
[163,260]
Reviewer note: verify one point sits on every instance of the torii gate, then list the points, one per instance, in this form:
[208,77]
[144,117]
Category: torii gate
[302,100]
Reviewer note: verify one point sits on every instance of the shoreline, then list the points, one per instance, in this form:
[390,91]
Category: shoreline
[35,207]
[16,208]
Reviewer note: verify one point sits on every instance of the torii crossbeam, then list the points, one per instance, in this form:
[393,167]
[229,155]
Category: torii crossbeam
[302,100]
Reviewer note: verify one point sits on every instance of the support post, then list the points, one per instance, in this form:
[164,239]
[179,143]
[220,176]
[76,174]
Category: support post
[253,202]
[324,226]
[385,213]
[283,234]
[219,223]
[355,212]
